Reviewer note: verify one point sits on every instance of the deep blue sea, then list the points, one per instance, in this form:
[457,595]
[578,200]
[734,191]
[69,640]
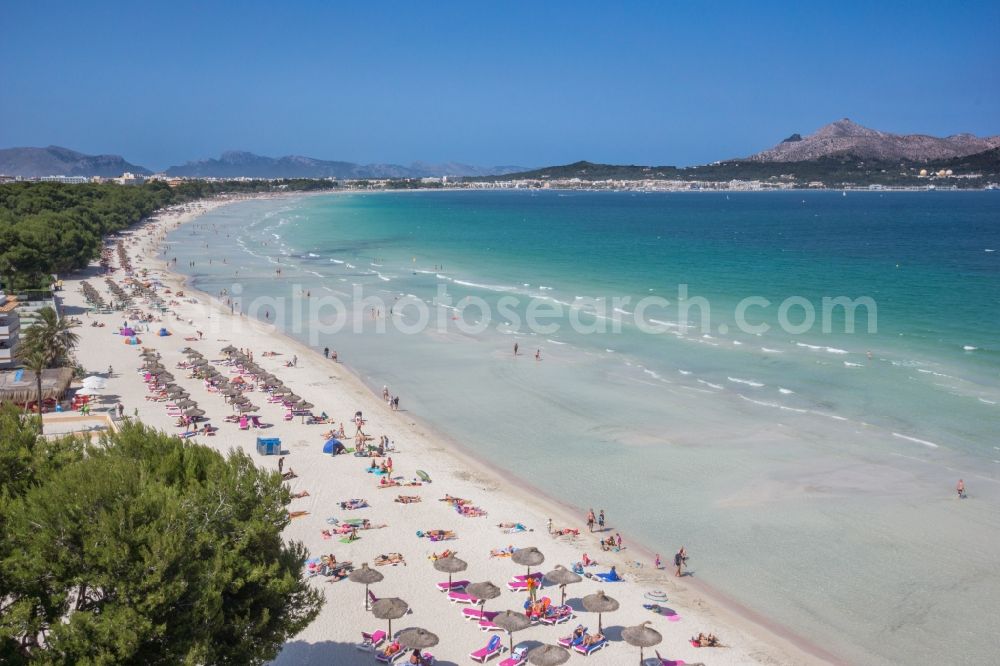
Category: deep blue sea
[808,469]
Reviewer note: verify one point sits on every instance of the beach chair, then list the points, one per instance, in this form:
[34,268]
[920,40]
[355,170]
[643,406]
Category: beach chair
[380,656]
[517,658]
[523,579]
[423,476]
[486,625]
[490,650]
[557,615]
[669,662]
[461,598]
[371,641]
[371,597]
[479,615]
[456,586]
[588,650]
[244,423]
[517,585]
[570,641]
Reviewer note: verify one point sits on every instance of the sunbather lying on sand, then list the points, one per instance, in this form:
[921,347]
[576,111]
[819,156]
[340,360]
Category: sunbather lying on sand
[391,558]
[297,514]
[437,535]
[470,511]
[454,500]
[386,482]
[566,531]
[590,639]
[502,552]
[706,640]
[447,552]
[301,494]
[407,499]
[513,527]
[353,504]
[290,474]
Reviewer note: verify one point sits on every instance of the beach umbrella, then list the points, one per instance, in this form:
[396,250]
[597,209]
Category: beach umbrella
[231,392]
[187,349]
[156,372]
[166,377]
[282,390]
[416,639]
[389,609]
[187,402]
[562,577]
[194,411]
[229,349]
[304,404]
[247,408]
[199,362]
[528,557]
[548,655]
[642,636]
[599,603]
[511,621]
[483,591]
[94,382]
[366,576]
[86,391]
[450,565]
[291,397]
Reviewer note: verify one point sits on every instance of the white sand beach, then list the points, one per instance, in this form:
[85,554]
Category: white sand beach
[328,480]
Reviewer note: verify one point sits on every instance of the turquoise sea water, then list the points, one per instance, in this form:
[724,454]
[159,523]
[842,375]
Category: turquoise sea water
[810,474]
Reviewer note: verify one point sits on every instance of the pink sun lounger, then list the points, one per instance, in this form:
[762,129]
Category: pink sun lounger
[524,578]
[517,658]
[490,650]
[557,615]
[371,641]
[476,614]
[456,585]
[669,662]
[462,598]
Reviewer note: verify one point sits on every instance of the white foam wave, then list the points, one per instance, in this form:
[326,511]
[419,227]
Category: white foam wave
[771,351]
[785,391]
[555,342]
[765,403]
[684,372]
[336,261]
[834,350]
[916,440]
[488,287]
[852,365]
[748,382]
[969,348]
[710,385]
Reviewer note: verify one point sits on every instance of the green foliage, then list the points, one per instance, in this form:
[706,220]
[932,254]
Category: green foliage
[51,337]
[147,550]
[48,228]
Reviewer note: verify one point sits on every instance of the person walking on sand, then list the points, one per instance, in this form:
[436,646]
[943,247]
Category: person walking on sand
[680,559]
[281,464]
[961,489]
[590,520]
[658,563]
[618,540]
[538,354]
[600,520]
[515,349]
[326,352]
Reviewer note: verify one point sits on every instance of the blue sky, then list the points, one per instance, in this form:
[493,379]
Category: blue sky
[487,83]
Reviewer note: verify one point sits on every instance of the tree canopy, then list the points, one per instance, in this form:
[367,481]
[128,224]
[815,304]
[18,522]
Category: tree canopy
[144,549]
[48,228]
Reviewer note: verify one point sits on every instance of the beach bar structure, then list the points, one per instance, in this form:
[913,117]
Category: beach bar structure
[21,388]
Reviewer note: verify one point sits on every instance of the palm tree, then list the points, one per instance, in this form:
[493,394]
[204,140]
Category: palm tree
[52,336]
[36,361]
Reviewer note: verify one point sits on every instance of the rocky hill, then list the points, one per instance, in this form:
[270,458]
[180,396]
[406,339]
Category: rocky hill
[847,138]
[56,161]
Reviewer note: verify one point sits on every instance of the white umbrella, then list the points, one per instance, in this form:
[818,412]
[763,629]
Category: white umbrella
[95,382]
[87,391]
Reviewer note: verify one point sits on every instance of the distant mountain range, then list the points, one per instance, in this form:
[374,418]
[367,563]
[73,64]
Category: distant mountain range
[847,138]
[236,163]
[827,152]
[56,161]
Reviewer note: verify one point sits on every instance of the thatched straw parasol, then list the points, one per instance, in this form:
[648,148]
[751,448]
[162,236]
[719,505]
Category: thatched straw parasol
[416,639]
[511,621]
[194,411]
[229,349]
[642,637]
[389,609]
[483,591]
[187,402]
[528,557]
[247,408]
[562,577]
[450,565]
[599,603]
[366,576]
[548,655]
